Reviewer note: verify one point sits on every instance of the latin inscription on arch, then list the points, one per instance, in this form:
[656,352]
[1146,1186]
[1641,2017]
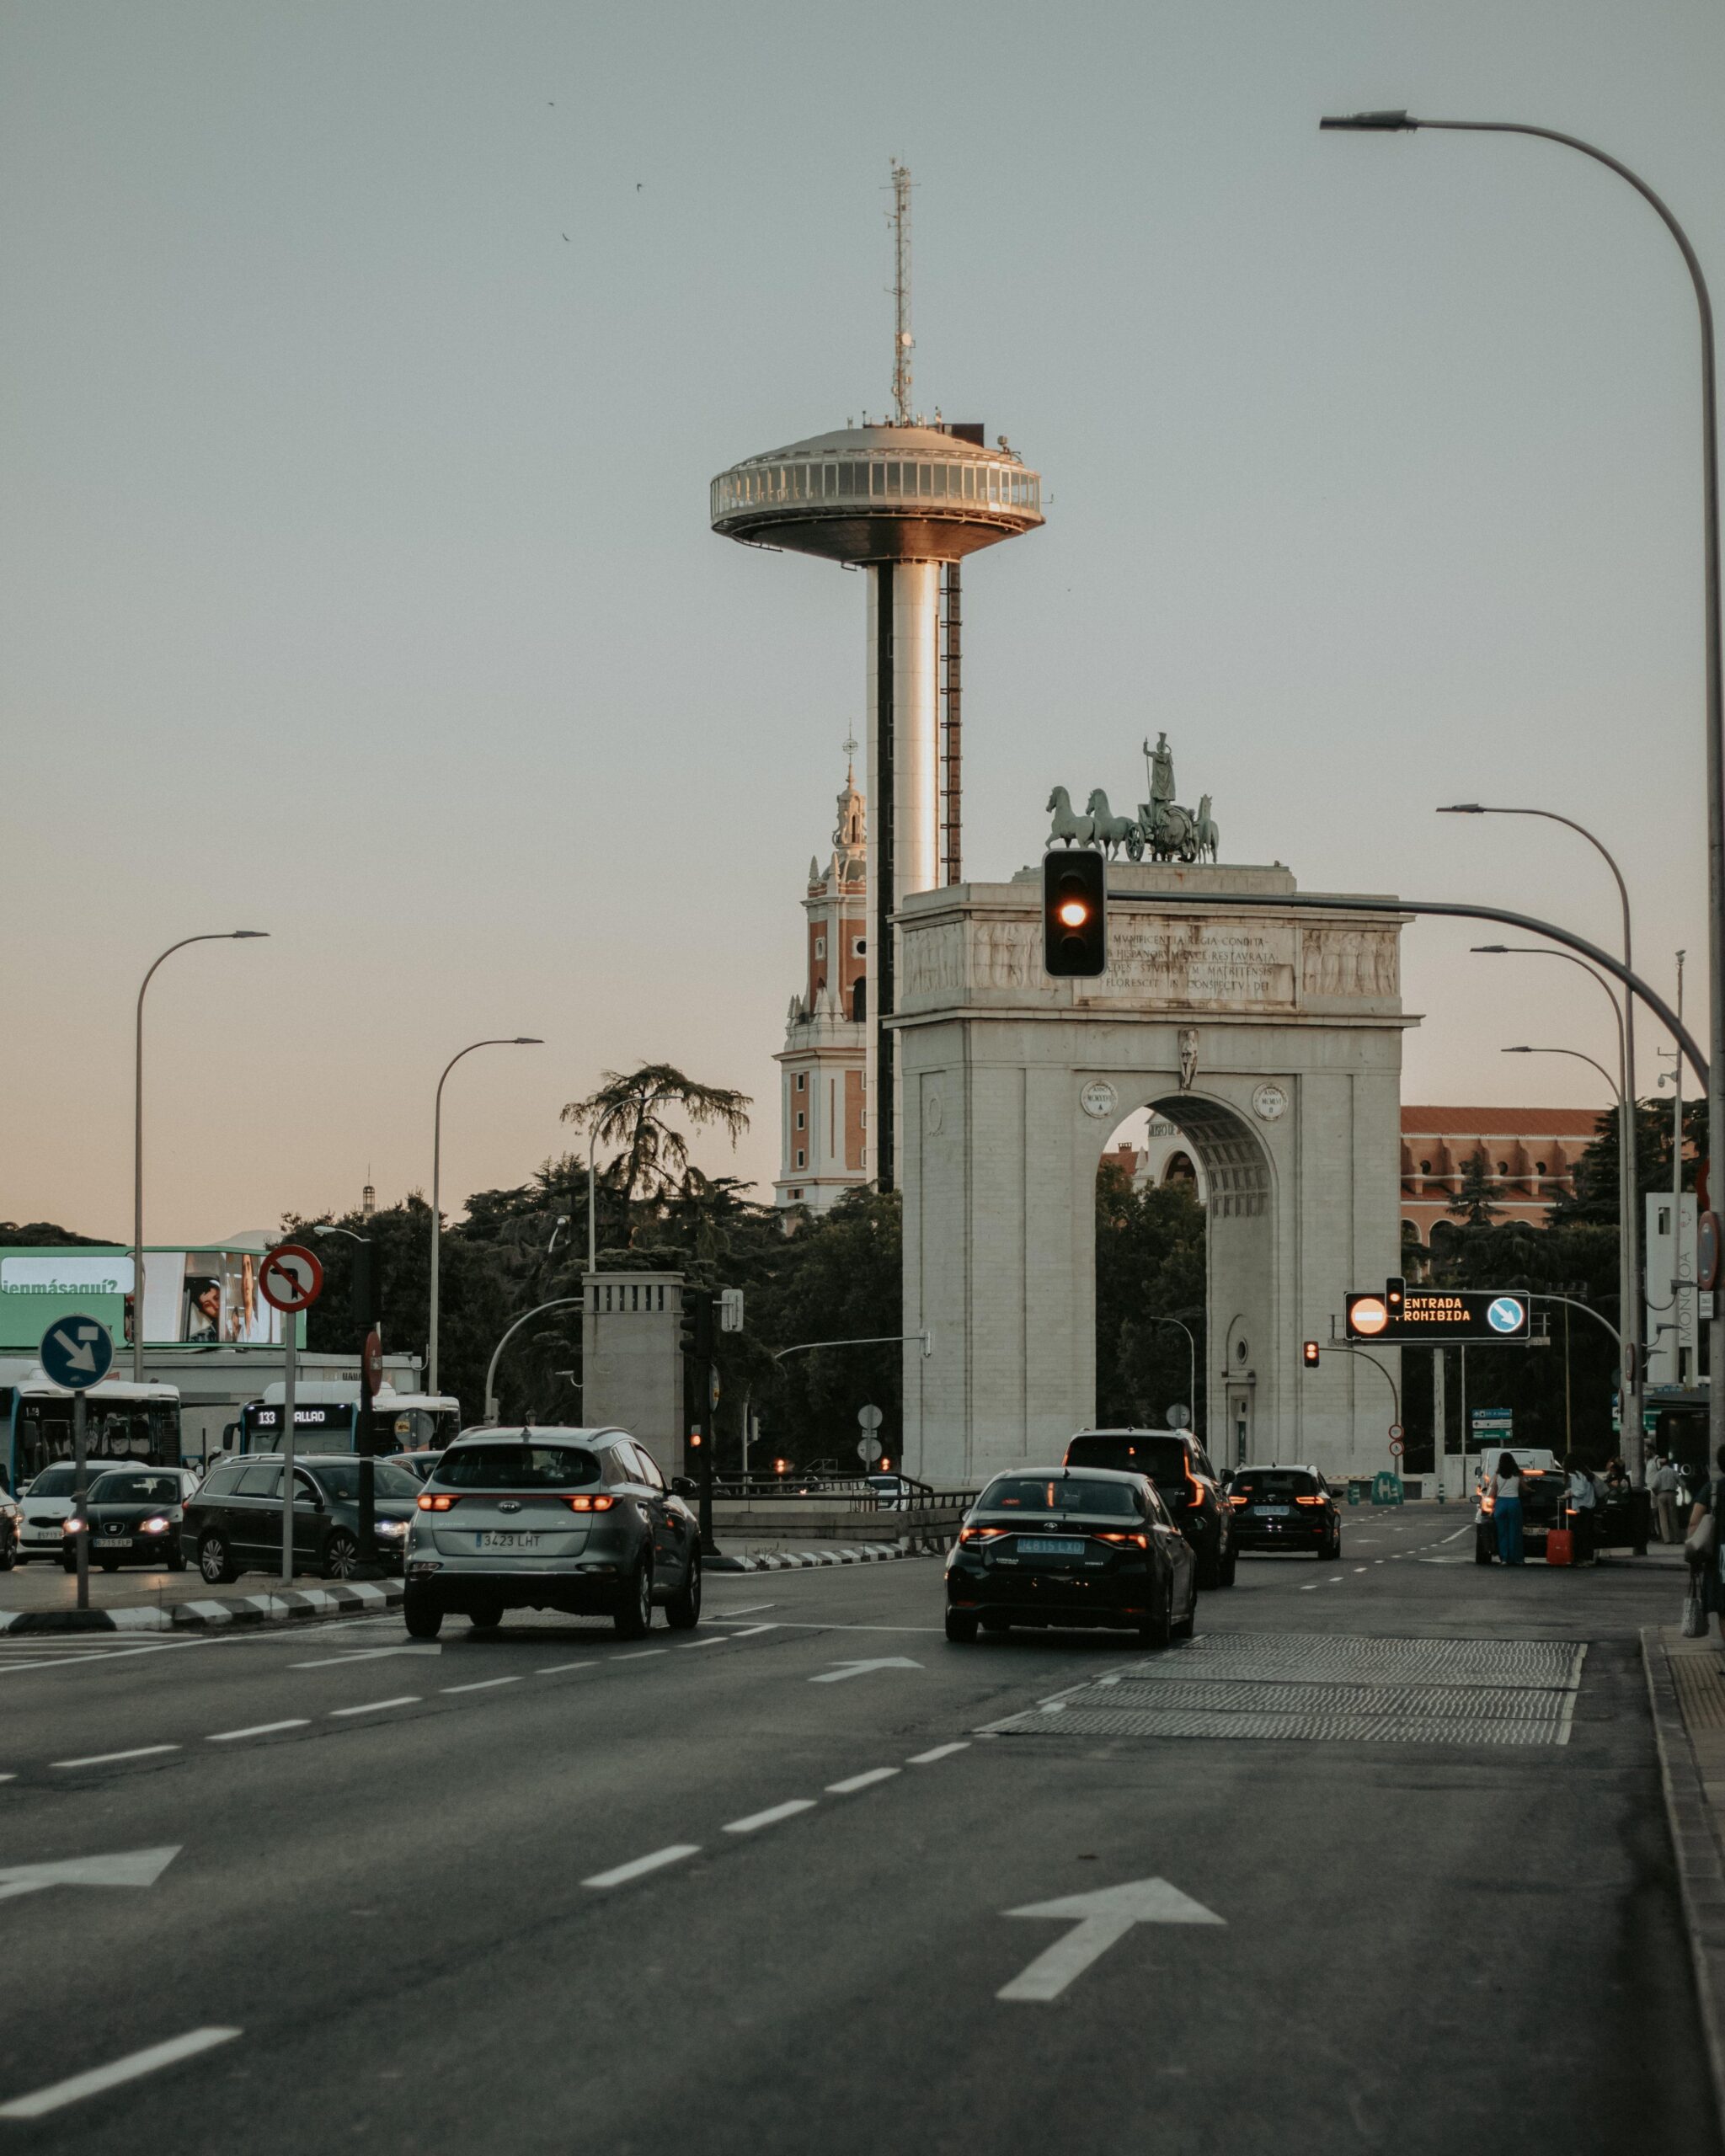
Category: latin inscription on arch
[1188,965]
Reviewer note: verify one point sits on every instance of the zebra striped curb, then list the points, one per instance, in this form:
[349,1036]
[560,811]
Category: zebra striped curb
[215,1612]
[794,1561]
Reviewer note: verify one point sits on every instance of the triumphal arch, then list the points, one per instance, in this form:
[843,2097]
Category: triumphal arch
[1273,1039]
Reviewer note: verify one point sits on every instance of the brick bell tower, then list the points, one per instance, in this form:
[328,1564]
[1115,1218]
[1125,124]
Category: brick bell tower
[823,1062]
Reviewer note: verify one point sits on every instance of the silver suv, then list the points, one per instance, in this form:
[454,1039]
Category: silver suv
[538,1518]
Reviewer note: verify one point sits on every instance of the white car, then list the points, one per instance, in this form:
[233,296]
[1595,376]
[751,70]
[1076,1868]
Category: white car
[46,1504]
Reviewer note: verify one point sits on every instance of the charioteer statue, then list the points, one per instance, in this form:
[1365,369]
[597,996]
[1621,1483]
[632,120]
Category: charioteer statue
[1162,827]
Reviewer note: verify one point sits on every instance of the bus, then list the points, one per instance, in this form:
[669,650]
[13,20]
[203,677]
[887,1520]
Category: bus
[326,1419]
[123,1422]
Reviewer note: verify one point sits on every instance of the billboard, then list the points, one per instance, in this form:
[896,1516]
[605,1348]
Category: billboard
[1435,1317]
[193,1298]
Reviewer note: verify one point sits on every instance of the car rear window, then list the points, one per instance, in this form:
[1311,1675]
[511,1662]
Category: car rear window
[136,1489]
[1163,1459]
[1273,1482]
[517,1467]
[1060,1493]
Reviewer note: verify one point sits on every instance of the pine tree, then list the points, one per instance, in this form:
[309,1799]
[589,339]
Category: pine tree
[1473,1203]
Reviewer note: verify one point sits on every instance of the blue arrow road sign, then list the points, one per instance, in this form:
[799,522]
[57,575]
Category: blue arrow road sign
[78,1351]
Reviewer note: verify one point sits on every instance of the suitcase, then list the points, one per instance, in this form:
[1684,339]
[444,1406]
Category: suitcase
[1560,1546]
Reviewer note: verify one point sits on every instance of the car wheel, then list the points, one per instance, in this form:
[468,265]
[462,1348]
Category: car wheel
[487,1617]
[216,1560]
[634,1620]
[421,1615]
[683,1610]
[341,1557]
[1156,1629]
[961,1626]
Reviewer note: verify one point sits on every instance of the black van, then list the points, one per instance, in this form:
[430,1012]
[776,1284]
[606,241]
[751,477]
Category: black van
[1189,1486]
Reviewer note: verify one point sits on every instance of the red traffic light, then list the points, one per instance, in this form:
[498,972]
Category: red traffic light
[1308,1353]
[1074,913]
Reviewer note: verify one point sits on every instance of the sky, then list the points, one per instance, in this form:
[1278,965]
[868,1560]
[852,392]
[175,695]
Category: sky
[363,368]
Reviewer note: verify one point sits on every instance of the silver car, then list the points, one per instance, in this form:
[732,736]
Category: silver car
[535,1518]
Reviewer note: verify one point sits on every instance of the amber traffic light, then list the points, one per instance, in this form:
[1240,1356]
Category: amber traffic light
[1074,913]
[1308,1354]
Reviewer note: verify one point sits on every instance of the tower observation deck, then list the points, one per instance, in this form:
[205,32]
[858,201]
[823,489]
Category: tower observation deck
[908,501]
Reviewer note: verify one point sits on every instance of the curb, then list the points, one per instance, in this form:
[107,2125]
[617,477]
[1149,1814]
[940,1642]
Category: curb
[1701,1875]
[791,1560]
[212,1613]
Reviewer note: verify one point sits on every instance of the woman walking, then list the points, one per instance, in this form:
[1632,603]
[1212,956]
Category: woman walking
[1708,1561]
[1506,1508]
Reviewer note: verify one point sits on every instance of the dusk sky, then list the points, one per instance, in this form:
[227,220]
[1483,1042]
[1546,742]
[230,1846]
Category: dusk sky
[364,369]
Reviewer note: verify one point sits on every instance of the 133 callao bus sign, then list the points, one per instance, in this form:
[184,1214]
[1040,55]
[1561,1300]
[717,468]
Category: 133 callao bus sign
[1440,1316]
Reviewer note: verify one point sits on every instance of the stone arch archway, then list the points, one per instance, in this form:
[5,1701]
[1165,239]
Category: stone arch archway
[1276,1050]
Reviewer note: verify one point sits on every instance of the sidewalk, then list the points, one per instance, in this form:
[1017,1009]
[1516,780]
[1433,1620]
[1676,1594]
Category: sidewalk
[1686,1691]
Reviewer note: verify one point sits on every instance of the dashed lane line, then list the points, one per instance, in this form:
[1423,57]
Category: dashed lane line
[623,1873]
[718,1640]
[108,1759]
[642,1654]
[133,2068]
[855,1782]
[561,1668]
[259,1729]
[377,1706]
[484,1684]
[770,1817]
[940,1752]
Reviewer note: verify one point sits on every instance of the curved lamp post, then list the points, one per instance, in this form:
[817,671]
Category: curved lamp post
[514,1040]
[215,936]
[1396,123]
[558,1303]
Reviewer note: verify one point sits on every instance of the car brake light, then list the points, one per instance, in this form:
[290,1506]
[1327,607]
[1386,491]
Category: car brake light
[591,1504]
[1308,1500]
[1239,1500]
[438,1504]
[1106,1535]
[980,1533]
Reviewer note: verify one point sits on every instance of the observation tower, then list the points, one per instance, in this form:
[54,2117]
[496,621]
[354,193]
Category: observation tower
[908,499]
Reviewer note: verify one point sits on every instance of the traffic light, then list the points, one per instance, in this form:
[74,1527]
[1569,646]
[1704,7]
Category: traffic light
[695,1326]
[367,1297]
[1308,1354]
[1074,913]
[1394,1295]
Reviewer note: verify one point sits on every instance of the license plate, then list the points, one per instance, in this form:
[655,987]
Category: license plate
[501,1538]
[112,1542]
[1033,1545]
[1274,1512]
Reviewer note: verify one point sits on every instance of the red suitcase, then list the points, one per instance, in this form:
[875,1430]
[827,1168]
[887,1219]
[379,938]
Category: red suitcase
[1560,1546]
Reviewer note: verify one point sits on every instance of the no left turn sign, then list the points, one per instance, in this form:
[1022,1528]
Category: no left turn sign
[290,1278]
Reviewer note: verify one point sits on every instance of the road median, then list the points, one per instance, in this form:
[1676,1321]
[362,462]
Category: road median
[214,1613]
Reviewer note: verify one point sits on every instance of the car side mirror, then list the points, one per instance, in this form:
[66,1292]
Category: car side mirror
[683,1485]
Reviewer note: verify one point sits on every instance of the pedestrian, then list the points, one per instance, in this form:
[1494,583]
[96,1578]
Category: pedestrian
[1506,1508]
[1664,1486]
[1617,1481]
[1708,1561]
[1580,1501]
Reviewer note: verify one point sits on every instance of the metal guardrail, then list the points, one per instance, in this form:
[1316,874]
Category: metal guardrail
[794,1489]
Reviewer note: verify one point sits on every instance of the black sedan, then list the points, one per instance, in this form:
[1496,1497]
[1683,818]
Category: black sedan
[1057,1547]
[132,1516]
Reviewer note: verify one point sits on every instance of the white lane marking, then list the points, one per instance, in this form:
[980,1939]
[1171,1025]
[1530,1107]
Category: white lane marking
[642,1655]
[132,2069]
[377,1706]
[556,1668]
[9,1778]
[1359,1568]
[258,1729]
[733,1609]
[121,1868]
[107,1758]
[484,1684]
[370,1654]
[840,1670]
[1310,1586]
[860,1781]
[1568,1716]
[1100,1921]
[623,1872]
[770,1816]
[718,1640]
[1334,1580]
[753,1631]
[940,1752]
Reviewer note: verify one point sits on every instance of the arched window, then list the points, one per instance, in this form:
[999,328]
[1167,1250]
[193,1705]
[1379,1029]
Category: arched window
[1179,1169]
[1503,1167]
[859,998]
[1539,1167]
[1425,1167]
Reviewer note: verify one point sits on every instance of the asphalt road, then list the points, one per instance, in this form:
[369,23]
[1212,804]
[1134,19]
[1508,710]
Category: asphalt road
[408,1881]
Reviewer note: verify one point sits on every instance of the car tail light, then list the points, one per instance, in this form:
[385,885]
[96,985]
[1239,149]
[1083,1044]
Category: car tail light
[1308,1500]
[591,1504]
[439,1503]
[981,1533]
[1194,1492]
[1107,1534]
[1239,1500]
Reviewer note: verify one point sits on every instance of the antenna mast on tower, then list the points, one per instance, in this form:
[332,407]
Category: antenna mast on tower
[903,341]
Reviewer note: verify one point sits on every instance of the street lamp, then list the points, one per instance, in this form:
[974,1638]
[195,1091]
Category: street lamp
[1401,123]
[215,936]
[514,1040]
[1629,1288]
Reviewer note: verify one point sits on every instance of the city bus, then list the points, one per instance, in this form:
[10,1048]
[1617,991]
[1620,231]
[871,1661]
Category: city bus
[326,1419]
[123,1422]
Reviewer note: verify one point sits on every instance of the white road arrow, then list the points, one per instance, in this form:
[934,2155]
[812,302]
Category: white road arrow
[78,1353]
[1102,1918]
[840,1671]
[125,1868]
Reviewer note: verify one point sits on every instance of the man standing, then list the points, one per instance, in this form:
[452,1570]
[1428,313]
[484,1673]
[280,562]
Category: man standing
[1662,1481]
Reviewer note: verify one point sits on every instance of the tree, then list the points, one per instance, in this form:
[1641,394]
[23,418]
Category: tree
[1150,1264]
[838,1278]
[629,1111]
[1594,1198]
[1472,1202]
[44,1234]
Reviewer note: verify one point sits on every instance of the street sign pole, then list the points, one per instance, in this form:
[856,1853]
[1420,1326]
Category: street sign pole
[80,1454]
[290,1279]
[290,1371]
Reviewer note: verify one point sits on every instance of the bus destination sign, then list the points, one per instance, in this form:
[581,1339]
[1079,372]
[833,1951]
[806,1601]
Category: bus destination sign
[1440,1316]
